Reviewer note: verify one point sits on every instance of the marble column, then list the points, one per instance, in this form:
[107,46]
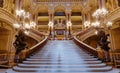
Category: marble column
[103,3]
[83,20]
[51,19]
[99,3]
[68,19]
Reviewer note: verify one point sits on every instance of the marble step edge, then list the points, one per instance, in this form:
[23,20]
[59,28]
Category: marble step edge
[74,61]
[62,58]
[63,66]
[55,54]
[72,55]
[103,69]
[61,63]
[12,71]
[87,56]
[32,59]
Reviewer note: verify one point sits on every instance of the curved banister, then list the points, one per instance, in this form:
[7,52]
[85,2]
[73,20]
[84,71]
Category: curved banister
[85,31]
[36,32]
[36,47]
[34,36]
[84,34]
[86,47]
[82,44]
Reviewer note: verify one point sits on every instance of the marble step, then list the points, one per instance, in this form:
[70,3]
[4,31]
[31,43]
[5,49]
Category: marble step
[61,66]
[55,54]
[19,69]
[66,62]
[85,54]
[32,59]
[62,61]
[12,71]
[61,57]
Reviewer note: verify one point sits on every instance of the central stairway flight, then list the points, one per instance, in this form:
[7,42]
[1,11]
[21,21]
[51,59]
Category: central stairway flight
[61,56]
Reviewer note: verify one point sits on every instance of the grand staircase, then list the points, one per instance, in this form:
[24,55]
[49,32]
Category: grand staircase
[61,57]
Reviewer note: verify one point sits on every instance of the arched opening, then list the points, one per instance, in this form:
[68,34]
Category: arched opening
[60,22]
[76,18]
[43,18]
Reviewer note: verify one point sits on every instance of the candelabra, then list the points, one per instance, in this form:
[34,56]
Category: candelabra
[69,24]
[50,24]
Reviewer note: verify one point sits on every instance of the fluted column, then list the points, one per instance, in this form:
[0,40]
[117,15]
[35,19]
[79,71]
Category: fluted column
[103,3]
[88,16]
[99,3]
[83,20]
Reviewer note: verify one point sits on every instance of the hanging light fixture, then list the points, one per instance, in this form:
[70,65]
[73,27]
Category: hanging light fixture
[96,24]
[109,24]
[16,25]
[98,14]
[25,24]
[32,24]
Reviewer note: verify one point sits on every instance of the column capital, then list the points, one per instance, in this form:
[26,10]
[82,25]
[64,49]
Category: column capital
[68,11]
[51,10]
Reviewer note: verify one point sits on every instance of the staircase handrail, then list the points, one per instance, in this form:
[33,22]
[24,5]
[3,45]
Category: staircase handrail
[36,32]
[84,31]
[86,47]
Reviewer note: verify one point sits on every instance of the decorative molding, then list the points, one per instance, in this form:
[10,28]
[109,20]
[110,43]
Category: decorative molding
[7,17]
[112,16]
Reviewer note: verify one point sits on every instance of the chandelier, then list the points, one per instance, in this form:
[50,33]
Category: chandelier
[25,23]
[99,14]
